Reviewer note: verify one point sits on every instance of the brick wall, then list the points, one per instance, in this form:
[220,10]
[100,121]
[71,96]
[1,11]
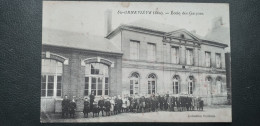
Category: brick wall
[73,82]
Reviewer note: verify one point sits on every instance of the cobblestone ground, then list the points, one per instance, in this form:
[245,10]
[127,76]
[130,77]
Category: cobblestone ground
[209,114]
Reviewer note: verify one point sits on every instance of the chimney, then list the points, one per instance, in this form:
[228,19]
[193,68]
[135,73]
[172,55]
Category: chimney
[108,21]
[217,22]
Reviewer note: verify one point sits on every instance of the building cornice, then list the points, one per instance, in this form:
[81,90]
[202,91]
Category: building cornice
[164,34]
[83,50]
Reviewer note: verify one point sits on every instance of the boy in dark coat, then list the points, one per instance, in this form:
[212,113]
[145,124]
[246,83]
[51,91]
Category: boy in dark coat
[119,103]
[65,106]
[101,104]
[95,109]
[107,107]
[86,109]
[72,108]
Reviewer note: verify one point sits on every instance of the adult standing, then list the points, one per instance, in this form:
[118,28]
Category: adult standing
[92,98]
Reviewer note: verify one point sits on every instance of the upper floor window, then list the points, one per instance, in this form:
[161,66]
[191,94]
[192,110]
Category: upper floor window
[208,59]
[189,56]
[175,55]
[51,80]
[151,53]
[218,60]
[134,49]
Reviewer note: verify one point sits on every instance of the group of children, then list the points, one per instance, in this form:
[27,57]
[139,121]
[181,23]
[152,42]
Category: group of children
[115,105]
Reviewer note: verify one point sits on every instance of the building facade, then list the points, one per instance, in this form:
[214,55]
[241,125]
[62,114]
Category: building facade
[176,62]
[133,59]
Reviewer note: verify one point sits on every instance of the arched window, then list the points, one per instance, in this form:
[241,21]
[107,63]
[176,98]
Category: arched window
[151,84]
[176,87]
[190,85]
[96,79]
[51,79]
[209,85]
[134,83]
[219,85]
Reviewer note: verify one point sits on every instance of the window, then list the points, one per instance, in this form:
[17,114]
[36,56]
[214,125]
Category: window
[151,53]
[208,59]
[51,80]
[151,84]
[176,84]
[219,85]
[59,78]
[209,85]
[99,90]
[96,79]
[94,85]
[189,56]
[86,91]
[134,84]
[182,36]
[218,60]
[175,55]
[96,69]
[43,86]
[190,85]
[134,49]
[106,86]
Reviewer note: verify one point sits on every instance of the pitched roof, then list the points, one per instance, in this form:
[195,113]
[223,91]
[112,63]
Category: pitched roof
[143,23]
[220,34]
[165,28]
[77,40]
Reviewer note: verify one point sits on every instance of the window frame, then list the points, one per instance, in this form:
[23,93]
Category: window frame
[191,58]
[135,77]
[177,54]
[153,52]
[176,79]
[191,85]
[206,59]
[152,79]
[102,75]
[220,63]
[55,76]
[135,51]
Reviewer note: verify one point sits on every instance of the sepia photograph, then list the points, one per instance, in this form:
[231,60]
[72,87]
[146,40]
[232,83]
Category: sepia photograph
[135,62]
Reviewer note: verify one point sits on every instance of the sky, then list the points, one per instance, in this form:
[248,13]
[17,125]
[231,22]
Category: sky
[88,17]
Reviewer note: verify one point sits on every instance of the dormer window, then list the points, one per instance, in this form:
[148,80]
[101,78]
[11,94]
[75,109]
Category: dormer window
[182,36]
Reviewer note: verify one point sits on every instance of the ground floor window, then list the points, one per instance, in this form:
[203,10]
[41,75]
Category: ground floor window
[51,78]
[96,79]
[97,84]
[209,86]
[151,84]
[219,85]
[190,85]
[50,85]
[176,84]
[134,84]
